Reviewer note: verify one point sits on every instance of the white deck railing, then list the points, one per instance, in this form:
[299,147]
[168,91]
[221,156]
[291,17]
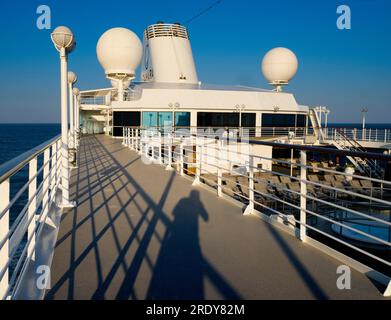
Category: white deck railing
[316,202]
[368,135]
[18,240]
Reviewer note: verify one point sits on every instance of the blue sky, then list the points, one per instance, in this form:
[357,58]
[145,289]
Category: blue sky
[344,70]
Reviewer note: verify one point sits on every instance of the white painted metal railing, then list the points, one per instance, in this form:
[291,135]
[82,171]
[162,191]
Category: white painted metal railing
[350,213]
[18,240]
[368,135]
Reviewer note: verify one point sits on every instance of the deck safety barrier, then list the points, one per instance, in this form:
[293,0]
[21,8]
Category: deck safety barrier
[19,230]
[348,212]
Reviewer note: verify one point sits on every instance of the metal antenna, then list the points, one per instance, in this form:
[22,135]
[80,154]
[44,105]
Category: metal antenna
[214,4]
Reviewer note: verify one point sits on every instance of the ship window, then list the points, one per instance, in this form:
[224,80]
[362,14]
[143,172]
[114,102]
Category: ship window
[149,119]
[164,119]
[124,119]
[278,120]
[182,119]
[248,120]
[217,119]
[301,120]
[158,119]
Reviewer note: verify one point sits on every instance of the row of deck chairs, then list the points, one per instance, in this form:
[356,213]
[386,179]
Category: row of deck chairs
[269,187]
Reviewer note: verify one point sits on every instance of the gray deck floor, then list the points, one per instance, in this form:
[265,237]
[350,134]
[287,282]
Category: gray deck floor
[140,232]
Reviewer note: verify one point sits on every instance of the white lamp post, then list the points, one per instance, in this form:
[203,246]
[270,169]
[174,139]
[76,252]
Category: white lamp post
[327,117]
[363,111]
[63,40]
[72,78]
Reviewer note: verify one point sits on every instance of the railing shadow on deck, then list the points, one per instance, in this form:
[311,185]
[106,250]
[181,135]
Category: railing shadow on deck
[193,272]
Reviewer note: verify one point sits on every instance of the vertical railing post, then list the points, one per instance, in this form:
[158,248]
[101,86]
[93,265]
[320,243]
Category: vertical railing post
[53,176]
[219,170]
[181,159]
[198,162]
[160,148]
[251,198]
[59,162]
[385,135]
[4,229]
[303,195]
[32,207]
[169,151]
[133,137]
[46,183]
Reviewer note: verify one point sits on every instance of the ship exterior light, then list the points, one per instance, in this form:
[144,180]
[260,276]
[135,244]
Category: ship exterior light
[62,37]
[64,42]
[72,77]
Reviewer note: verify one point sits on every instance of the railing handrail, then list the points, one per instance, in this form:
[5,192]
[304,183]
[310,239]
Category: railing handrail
[366,155]
[12,166]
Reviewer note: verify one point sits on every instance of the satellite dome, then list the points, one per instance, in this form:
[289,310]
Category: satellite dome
[279,66]
[119,51]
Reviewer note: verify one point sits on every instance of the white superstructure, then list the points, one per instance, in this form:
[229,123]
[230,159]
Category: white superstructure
[170,91]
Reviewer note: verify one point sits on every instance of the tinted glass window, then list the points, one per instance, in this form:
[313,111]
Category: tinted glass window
[217,119]
[124,119]
[301,120]
[278,120]
[182,119]
[248,120]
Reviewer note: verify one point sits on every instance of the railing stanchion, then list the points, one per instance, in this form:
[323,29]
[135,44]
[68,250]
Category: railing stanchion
[169,151]
[181,159]
[32,207]
[46,183]
[53,166]
[251,198]
[219,170]
[198,162]
[160,148]
[4,229]
[303,195]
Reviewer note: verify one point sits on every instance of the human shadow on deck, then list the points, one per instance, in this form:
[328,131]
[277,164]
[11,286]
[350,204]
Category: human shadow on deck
[178,248]
[178,273]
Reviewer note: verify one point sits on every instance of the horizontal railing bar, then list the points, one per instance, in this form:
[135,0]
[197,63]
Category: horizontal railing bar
[9,168]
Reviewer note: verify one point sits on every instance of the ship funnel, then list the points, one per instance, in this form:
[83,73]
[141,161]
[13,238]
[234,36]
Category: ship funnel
[167,55]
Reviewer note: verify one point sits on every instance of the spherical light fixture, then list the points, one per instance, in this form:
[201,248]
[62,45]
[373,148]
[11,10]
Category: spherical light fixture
[63,40]
[62,37]
[279,66]
[119,52]
[72,77]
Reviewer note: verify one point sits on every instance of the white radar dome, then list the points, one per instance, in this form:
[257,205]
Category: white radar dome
[119,51]
[279,66]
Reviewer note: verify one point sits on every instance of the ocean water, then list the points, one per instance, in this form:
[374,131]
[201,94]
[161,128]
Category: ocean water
[18,138]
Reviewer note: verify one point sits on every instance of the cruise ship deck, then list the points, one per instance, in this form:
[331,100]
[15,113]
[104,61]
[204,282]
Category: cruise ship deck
[141,232]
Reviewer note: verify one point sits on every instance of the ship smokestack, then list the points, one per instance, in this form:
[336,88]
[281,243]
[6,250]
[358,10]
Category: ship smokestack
[167,55]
